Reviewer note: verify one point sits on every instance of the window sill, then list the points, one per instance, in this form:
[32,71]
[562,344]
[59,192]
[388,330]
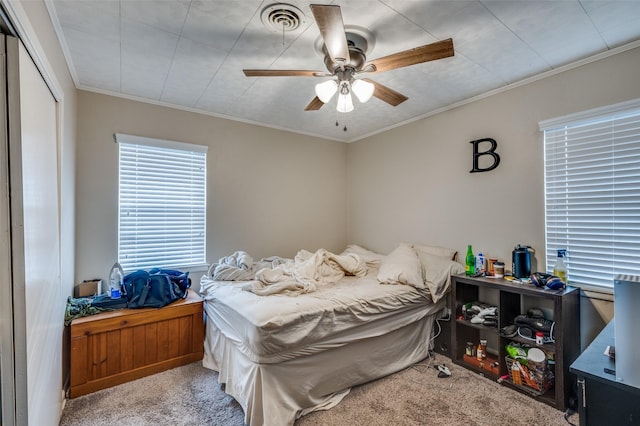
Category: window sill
[595,292]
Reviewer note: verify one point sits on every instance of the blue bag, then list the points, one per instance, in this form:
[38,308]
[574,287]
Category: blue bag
[148,290]
[181,281]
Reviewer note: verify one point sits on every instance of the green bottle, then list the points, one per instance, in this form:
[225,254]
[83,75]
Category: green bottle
[470,262]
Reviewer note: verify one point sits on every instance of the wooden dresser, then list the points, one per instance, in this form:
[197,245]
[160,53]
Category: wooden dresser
[119,346]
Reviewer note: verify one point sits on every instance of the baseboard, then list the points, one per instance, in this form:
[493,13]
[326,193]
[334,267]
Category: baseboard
[63,404]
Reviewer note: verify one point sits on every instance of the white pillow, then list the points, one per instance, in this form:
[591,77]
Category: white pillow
[370,257]
[401,266]
[437,273]
[447,253]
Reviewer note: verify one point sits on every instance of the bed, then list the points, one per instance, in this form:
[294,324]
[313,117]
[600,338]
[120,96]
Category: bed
[288,353]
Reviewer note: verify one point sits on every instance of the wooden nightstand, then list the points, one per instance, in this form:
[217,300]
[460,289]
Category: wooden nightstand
[119,346]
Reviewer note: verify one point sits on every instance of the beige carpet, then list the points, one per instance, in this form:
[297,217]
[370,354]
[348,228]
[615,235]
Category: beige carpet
[191,395]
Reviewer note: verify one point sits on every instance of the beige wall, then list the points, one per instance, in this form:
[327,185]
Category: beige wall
[269,192]
[413,183]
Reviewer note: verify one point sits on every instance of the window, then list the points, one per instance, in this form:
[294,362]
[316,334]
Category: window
[592,192]
[162,203]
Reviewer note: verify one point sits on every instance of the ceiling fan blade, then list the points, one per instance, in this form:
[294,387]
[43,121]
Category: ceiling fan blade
[386,94]
[430,52]
[329,21]
[284,73]
[314,105]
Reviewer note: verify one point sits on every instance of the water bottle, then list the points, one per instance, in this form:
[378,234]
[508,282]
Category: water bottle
[116,281]
[470,262]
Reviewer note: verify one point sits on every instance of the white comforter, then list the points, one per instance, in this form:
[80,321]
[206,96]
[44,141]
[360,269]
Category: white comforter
[306,271]
[276,275]
[240,266]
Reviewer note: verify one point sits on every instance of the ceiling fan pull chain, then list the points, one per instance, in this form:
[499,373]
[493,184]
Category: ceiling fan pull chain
[344,129]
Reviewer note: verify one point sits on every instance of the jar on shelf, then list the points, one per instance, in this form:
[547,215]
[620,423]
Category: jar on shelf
[471,349]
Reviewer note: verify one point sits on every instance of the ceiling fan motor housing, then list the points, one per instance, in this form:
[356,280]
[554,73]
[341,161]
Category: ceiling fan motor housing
[357,60]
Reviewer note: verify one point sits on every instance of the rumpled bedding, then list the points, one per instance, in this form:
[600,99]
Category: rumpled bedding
[416,266]
[239,259]
[306,272]
[276,275]
[240,266]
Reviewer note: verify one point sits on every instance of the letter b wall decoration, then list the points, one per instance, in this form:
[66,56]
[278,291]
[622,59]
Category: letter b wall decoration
[490,152]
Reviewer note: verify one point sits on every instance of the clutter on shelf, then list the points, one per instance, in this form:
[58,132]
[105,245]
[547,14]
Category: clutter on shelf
[532,326]
[480,313]
[530,367]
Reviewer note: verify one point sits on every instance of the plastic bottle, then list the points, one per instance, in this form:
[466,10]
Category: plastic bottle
[515,373]
[470,262]
[116,281]
[560,269]
[480,263]
[481,353]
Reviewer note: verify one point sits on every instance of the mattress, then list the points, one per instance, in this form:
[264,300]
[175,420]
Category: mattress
[276,328]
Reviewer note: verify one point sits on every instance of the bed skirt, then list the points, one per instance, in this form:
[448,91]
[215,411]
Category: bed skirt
[277,394]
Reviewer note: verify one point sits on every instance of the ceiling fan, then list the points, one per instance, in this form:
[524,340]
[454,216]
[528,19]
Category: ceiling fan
[345,57]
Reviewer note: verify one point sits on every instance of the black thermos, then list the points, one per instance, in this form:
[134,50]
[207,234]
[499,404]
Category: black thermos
[521,258]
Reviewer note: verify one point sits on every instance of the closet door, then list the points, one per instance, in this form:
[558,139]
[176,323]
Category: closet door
[37,301]
[41,233]
[7,382]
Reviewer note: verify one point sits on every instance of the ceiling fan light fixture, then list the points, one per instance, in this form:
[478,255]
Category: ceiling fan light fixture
[363,90]
[345,103]
[326,90]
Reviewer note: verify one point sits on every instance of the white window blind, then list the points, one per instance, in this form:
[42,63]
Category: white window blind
[592,193]
[162,204]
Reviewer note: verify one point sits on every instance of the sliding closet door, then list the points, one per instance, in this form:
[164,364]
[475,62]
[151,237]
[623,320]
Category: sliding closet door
[38,304]
[9,388]
[43,292]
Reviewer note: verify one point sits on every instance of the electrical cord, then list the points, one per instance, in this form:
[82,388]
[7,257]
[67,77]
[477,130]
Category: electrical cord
[433,338]
[447,318]
[431,364]
[549,339]
[567,413]
[524,337]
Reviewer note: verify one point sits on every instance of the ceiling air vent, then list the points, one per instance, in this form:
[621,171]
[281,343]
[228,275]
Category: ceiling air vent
[282,17]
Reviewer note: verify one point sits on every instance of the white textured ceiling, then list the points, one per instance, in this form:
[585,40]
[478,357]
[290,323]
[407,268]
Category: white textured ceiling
[190,54]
